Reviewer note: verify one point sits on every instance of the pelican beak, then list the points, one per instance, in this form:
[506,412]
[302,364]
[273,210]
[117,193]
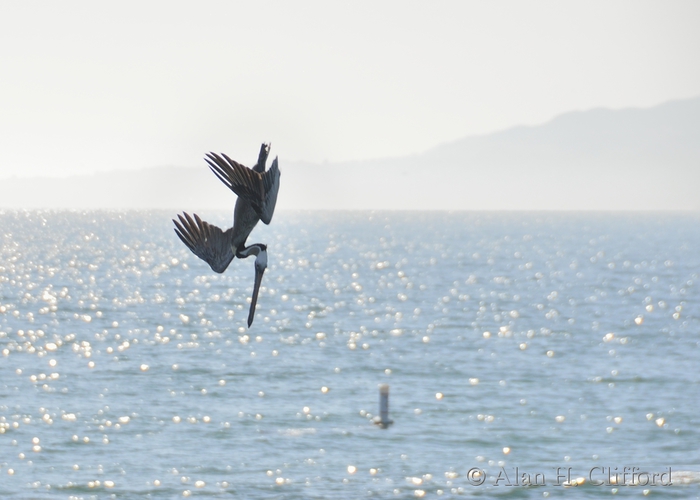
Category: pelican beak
[259,270]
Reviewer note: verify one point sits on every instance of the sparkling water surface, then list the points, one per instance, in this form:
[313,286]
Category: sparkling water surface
[562,345]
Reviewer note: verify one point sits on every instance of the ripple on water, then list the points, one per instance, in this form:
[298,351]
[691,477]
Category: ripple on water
[508,340]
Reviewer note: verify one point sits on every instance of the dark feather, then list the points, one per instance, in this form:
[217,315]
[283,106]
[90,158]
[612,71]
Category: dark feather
[206,241]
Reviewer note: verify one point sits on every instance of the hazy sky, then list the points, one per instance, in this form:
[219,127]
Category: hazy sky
[92,86]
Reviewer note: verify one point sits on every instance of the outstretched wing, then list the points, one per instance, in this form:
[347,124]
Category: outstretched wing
[271,184]
[206,241]
[258,189]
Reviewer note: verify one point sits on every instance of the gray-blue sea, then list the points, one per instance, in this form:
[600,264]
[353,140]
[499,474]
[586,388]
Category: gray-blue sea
[556,349]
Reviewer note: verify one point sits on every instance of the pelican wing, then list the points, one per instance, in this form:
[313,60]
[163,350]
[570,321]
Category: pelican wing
[206,241]
[259,189]
[271,183]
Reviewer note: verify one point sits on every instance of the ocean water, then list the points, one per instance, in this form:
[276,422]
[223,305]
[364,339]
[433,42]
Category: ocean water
[518,347]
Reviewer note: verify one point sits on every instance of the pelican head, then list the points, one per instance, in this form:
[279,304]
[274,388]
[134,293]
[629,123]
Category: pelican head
[260,251]
[261,259]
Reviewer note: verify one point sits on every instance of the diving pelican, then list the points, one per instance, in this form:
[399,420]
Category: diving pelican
[256,189]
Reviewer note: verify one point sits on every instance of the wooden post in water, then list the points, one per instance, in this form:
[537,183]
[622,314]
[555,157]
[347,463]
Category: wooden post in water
[384,420]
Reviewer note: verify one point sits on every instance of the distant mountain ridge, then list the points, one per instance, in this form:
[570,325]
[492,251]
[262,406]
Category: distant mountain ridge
[602,159]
